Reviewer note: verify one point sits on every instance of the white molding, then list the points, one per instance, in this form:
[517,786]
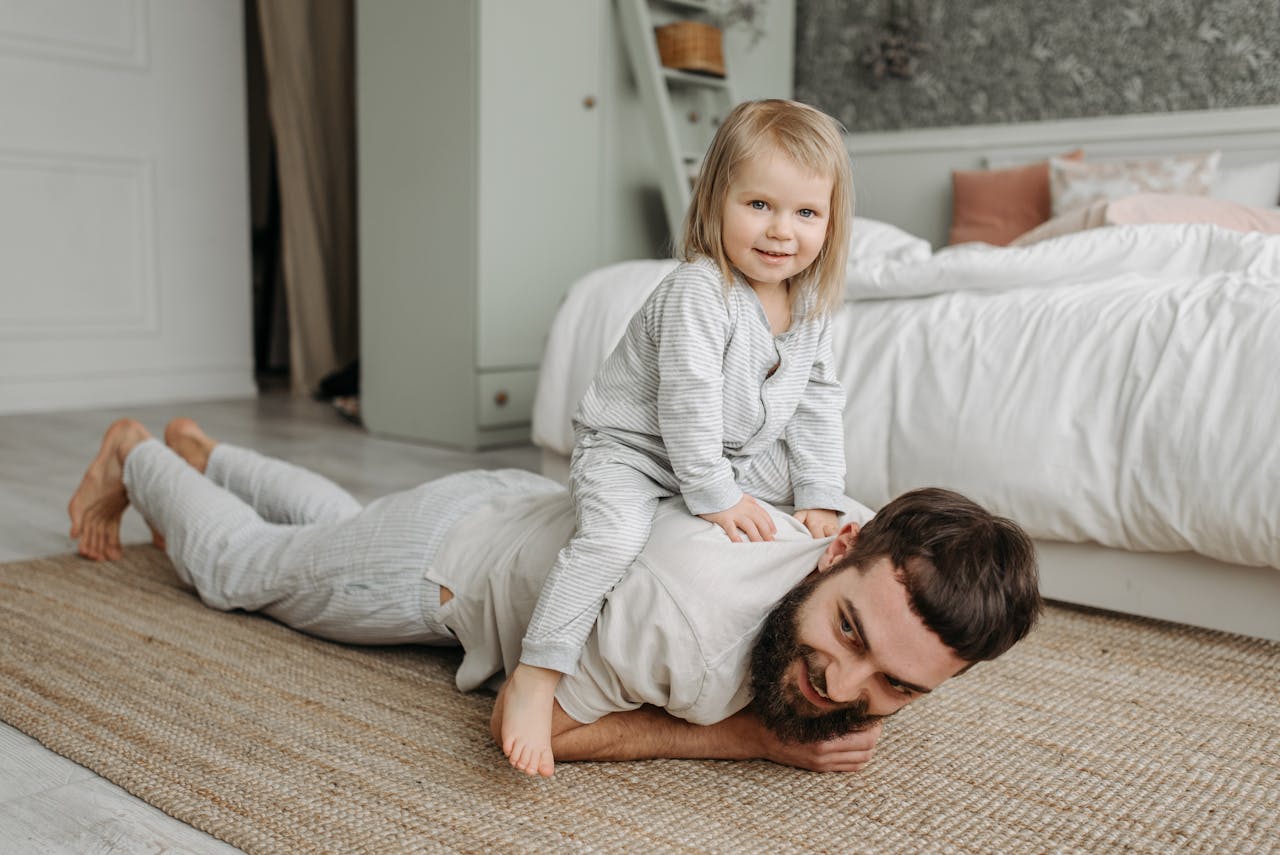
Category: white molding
[146,319]
[133,54]
[978,138]
[111,373]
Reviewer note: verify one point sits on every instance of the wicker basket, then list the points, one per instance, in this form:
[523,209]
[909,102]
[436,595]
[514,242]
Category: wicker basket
[691,46]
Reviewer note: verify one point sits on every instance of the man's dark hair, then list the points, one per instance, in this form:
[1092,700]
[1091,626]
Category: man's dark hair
[970,575]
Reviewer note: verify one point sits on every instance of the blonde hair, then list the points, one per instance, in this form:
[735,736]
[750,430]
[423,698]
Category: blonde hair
[812,140]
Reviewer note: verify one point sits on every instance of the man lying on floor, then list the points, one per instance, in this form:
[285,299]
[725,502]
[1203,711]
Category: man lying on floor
[791,650]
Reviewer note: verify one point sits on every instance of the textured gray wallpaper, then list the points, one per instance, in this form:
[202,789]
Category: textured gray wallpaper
[885,64]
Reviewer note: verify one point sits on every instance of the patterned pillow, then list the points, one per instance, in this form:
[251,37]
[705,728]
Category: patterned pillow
[1075,184]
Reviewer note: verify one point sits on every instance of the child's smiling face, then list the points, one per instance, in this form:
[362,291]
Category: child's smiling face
[775,219]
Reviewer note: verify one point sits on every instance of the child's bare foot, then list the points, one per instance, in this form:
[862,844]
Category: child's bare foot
[190,443]
[99,502]
[526,719]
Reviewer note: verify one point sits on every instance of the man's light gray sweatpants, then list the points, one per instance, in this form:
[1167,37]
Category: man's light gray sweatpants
[260,534]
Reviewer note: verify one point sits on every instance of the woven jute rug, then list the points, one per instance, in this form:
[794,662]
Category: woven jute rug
[1097,734]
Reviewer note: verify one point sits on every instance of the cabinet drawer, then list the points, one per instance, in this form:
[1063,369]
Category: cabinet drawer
[505,397]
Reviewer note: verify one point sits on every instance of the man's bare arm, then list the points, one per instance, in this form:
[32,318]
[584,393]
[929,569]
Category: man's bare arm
[649,733]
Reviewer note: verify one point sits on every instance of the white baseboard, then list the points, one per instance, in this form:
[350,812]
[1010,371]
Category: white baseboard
[43,394]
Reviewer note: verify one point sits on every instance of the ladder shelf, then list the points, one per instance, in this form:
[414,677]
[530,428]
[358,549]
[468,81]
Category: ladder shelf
[682,109]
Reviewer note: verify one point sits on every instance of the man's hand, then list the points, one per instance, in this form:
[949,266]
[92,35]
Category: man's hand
[748,517]
[820,521]
[848,753]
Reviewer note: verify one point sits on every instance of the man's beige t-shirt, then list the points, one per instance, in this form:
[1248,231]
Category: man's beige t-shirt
[676,632]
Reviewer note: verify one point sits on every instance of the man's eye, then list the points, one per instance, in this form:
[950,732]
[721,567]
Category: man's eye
[899,688]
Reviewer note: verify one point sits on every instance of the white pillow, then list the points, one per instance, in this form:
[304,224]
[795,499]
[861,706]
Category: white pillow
[875,246]
[1077,183]
[872,239]
[1256,185]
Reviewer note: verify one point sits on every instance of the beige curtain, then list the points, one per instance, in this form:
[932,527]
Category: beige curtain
[309,51]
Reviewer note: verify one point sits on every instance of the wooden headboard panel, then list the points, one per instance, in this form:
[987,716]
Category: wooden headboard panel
[904,177]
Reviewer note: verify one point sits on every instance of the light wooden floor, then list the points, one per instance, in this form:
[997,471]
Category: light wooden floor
[49,804]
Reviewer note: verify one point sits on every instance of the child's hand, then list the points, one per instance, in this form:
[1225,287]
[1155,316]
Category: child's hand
[820,521]
[747,516]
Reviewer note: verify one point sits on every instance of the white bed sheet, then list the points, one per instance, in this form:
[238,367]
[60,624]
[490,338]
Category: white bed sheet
[586,328]
[1120,386]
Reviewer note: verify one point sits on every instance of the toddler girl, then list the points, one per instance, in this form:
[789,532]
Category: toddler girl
[721,390]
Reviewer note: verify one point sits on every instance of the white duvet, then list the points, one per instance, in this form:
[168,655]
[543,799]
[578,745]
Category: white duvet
[1120,385]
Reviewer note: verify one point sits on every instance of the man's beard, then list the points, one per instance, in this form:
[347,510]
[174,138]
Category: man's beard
[781,707]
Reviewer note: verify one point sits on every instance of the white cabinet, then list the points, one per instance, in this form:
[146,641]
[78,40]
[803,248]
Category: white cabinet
[490,179]
[539,167]
[503,154]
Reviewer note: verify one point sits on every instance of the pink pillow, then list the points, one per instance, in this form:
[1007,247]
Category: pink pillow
[1175,208]
[996,205]
[1145,208]
[1075,220]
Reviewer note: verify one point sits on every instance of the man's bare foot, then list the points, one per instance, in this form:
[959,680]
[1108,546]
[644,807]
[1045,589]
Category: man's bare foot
[190,443]
[526,719]
[99,502]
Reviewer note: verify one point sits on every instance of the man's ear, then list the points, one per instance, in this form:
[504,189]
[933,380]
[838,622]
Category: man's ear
[837,548]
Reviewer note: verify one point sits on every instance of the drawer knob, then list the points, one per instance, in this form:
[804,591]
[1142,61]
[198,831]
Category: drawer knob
[589,102]
[500,399]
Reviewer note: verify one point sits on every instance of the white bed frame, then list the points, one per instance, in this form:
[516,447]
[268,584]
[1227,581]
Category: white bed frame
[904,178]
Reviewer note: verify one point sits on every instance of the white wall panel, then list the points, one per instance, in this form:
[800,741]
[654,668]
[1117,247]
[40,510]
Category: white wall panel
[124,232]
[77,235]
[113,32]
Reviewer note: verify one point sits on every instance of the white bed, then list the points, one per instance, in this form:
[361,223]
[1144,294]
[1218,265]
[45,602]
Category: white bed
[1116,391]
